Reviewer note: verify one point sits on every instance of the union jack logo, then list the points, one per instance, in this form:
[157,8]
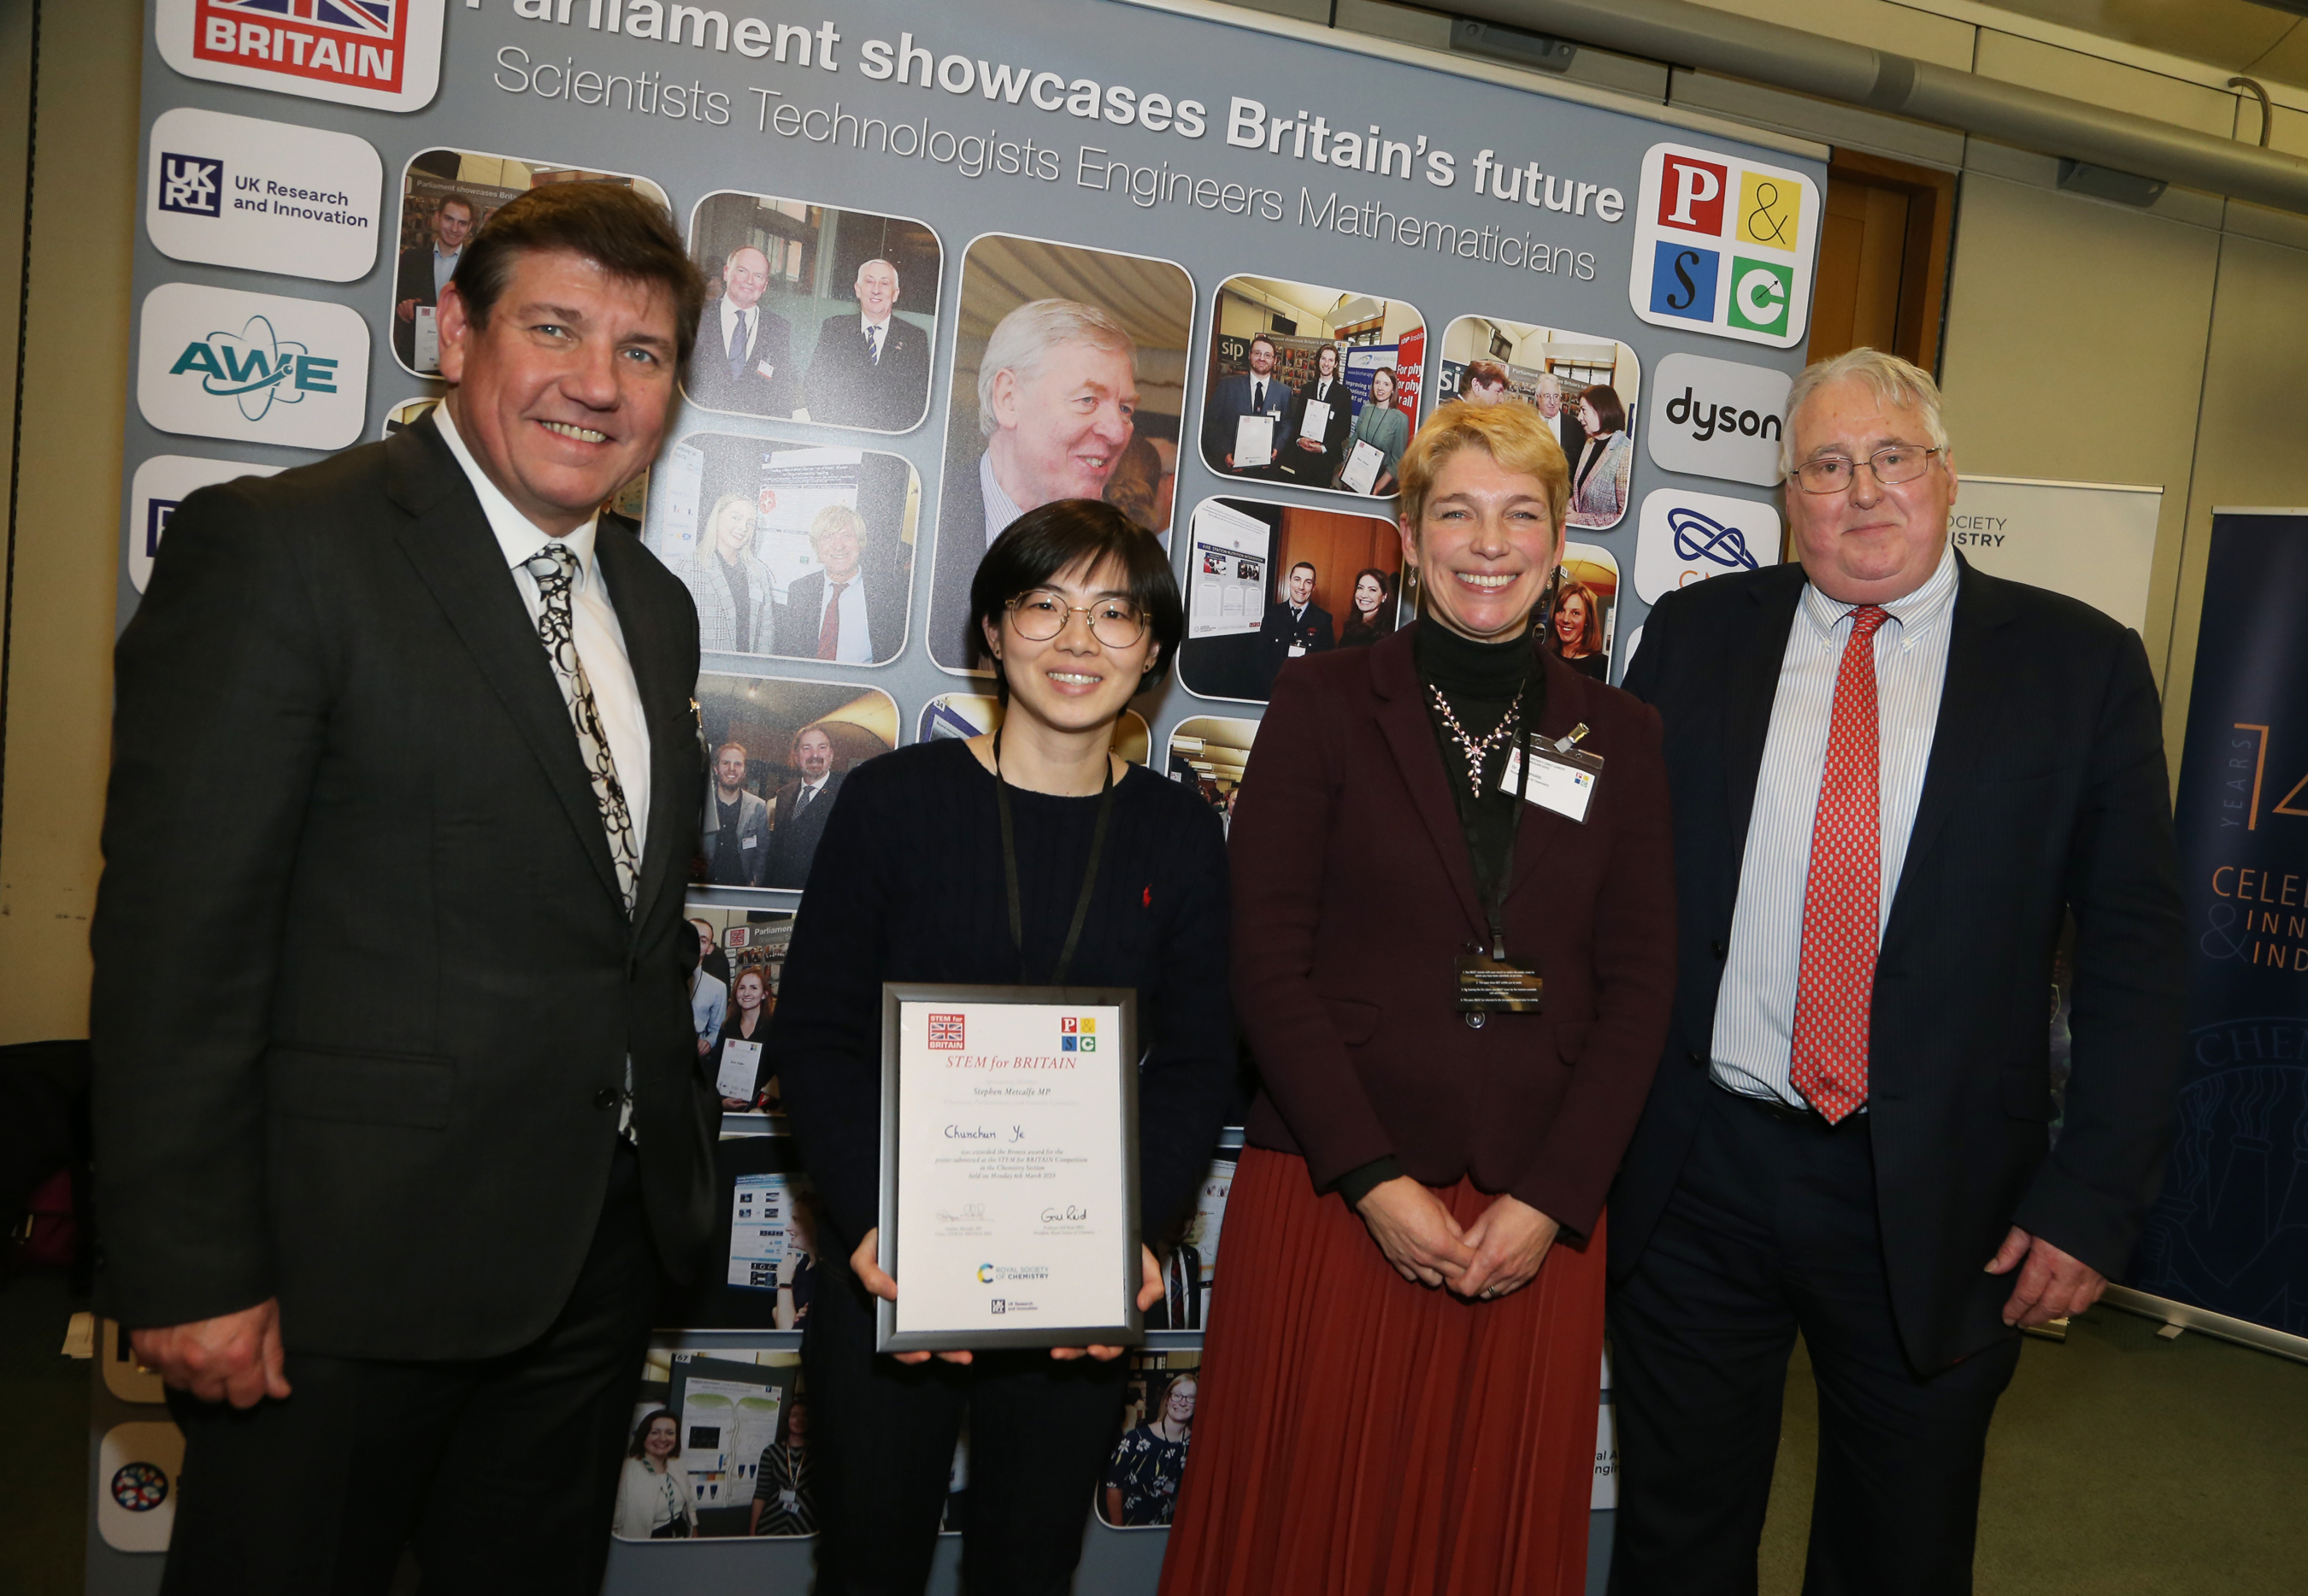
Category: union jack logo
[372,19]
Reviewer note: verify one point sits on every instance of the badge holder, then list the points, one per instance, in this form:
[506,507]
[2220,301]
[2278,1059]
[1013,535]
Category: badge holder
[1562,775]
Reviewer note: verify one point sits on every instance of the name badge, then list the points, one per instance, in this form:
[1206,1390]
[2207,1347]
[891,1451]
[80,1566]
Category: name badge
[748,842]
[1298,650]
[1561,777]
[1489,986]
[764,370]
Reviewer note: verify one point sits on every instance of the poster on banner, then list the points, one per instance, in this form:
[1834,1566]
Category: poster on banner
[719,1448]
[1583,616]
[1189,1262]
[1209,754]
[973,714]
[1270,583]
[2229,1232]
[2090,540]
[1588,387]
[781,749]
[1138,1489]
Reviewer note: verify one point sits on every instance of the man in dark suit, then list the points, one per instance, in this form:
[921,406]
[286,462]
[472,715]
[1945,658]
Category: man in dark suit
[422,271]
[1311,458]
[846,610]
[1295,625]
[870,370]
[803,807]
[1257,391]
[1563,417]
[389,1192]
[742,359]
[1892,776]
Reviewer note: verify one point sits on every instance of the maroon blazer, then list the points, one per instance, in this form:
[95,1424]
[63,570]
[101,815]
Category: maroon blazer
[1353,894]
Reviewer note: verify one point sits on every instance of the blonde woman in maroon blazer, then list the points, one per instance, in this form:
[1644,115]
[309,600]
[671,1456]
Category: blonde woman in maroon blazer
[1400,1378]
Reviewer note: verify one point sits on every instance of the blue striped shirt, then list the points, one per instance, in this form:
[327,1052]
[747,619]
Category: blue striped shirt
[1755,1010]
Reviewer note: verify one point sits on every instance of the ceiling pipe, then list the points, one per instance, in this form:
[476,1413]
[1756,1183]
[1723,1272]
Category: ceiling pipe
[1695,36]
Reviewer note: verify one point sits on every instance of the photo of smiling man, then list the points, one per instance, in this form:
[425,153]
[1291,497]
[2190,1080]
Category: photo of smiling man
[1050,390]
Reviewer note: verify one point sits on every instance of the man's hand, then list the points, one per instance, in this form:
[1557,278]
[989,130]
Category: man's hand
[2052,1285]
[1415,1231]
[235,1358]
[406,310]
[1510,1241]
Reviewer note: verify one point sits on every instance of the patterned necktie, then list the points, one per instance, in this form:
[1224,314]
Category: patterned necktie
[829,630]
[874,345]
[554,567]
[739,345]
[1842,925]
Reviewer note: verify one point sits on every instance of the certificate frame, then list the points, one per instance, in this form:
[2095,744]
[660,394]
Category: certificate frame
[1125,1324]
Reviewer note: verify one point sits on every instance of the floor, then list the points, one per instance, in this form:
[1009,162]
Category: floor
[2120,1463]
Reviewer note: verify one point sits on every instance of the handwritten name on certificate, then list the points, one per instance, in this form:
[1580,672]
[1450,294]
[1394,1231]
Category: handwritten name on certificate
[1014,1196]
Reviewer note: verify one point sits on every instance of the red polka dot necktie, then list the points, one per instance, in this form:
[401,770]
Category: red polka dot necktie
[1842,927]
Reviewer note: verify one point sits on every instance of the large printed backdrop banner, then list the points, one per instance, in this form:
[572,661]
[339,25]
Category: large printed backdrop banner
[965,259]
[2230,1232]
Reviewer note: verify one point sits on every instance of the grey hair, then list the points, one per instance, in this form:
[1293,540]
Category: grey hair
[1023,341]
[878,260]
[1890,379]
[1548,382]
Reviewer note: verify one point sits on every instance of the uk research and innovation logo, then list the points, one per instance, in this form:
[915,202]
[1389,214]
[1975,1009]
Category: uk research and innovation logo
[263,367]
[191,185]
[1690,537]
[383,54]
[1723,246]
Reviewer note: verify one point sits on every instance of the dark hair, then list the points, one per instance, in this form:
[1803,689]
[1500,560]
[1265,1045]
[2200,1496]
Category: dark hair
[1298,566]
[1609,409]
[1489,374]
[619,228]
[1069,534]
[1382,621]
[1266,339]
[641,1430]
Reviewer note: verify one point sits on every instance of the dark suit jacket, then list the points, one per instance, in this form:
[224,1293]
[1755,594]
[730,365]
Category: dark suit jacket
[1315,470]
[961,537]
[794,838]
[1229,404]
[805,612]
[412,279]
[845,389]
[1353,894]
[328,1066]
[749,392]
[2046,792]
[1280,632]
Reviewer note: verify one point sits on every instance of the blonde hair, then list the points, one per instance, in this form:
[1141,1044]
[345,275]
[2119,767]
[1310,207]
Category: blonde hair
[832,519]
[1516,435]
[1889,379]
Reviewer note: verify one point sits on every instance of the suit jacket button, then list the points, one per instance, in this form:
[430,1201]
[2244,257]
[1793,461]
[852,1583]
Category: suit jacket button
[1719,949]
[607,1098]
[1699,1059]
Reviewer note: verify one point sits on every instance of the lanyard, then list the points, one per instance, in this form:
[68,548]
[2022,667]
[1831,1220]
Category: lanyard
[1010,869]
[1492,891]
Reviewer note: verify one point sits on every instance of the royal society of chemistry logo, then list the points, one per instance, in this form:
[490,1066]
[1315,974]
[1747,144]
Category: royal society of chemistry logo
[219,363]
[1724,246]
[264,196]
[383,54]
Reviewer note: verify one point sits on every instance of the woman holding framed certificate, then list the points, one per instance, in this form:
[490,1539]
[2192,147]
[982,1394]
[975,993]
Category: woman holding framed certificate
[1454,945]
[1033,859]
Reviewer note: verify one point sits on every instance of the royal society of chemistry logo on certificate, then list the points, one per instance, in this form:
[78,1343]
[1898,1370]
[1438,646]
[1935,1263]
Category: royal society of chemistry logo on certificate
[1723,246]
[381,54]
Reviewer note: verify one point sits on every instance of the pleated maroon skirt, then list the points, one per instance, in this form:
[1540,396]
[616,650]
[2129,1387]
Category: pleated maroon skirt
[1358,1435]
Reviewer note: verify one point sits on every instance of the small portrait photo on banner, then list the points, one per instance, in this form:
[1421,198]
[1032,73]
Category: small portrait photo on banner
[779,751]
[1588,387]
[814,313]
[1583,612]
[1140,1488]
[1268,583]
[973,714]
[718,1447]
[733,991]
[1208,753]
[445,196]
[1069,382]
[1311,386]
[1189,1261]
[766,1227]
[802,551]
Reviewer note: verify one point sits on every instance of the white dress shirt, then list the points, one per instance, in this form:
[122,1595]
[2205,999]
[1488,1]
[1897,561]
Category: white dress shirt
[809,793]
[1001,509]
[856,646]
[600,641]
[729,315]
[1755,1010]
[878,331]
[445,267]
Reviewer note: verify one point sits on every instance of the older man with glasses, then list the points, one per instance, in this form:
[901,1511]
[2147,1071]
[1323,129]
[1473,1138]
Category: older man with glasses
[1894,776]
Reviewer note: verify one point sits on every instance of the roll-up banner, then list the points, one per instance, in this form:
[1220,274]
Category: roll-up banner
[1212,266]
[2230,1231]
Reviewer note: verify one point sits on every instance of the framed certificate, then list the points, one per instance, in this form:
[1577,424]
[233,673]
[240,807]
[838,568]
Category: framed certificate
[1009,1208]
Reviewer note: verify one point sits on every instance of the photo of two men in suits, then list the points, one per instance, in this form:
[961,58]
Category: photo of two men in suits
[782,750]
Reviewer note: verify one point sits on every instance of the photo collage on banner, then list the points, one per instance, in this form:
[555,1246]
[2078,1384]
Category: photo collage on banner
[913,334]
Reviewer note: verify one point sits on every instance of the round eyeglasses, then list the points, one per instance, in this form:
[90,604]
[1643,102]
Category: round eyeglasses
[1041,615]
[1831,473]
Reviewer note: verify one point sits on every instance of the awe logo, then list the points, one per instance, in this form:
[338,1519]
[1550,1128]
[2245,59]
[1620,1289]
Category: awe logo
[383,54]
[254,366]
[1724,246]
[260,366]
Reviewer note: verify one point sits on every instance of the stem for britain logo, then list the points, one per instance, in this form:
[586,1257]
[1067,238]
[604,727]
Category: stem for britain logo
[256,367]
[356,42]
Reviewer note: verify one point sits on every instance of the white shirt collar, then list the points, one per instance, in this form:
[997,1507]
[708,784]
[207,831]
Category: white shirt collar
[1916,612]
[864,325]
[1001,510]
[809,786]
[517,537]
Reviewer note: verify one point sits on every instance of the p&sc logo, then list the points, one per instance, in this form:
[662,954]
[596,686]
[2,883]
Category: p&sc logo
[1723,246]
[262,368]
[381,54]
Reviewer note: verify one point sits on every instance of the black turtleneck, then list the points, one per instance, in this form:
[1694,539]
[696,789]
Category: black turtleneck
[1479,681]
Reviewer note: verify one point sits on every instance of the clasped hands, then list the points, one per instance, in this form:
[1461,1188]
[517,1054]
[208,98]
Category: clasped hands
[865,1263]
[1499,1252]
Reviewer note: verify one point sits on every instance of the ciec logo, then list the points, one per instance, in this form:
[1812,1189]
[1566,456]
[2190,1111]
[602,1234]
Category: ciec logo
[191,185]
[362,44]
[256,368]
[1723,246]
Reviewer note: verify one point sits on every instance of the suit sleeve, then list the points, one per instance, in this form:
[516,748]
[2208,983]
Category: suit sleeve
[223,688]
[1189,1066]
[1281,832]
[1632,932]
[2129,1023]
[1218,418]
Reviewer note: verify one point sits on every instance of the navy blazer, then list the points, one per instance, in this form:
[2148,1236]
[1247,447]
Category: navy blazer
[1229,403]
[2046,793]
